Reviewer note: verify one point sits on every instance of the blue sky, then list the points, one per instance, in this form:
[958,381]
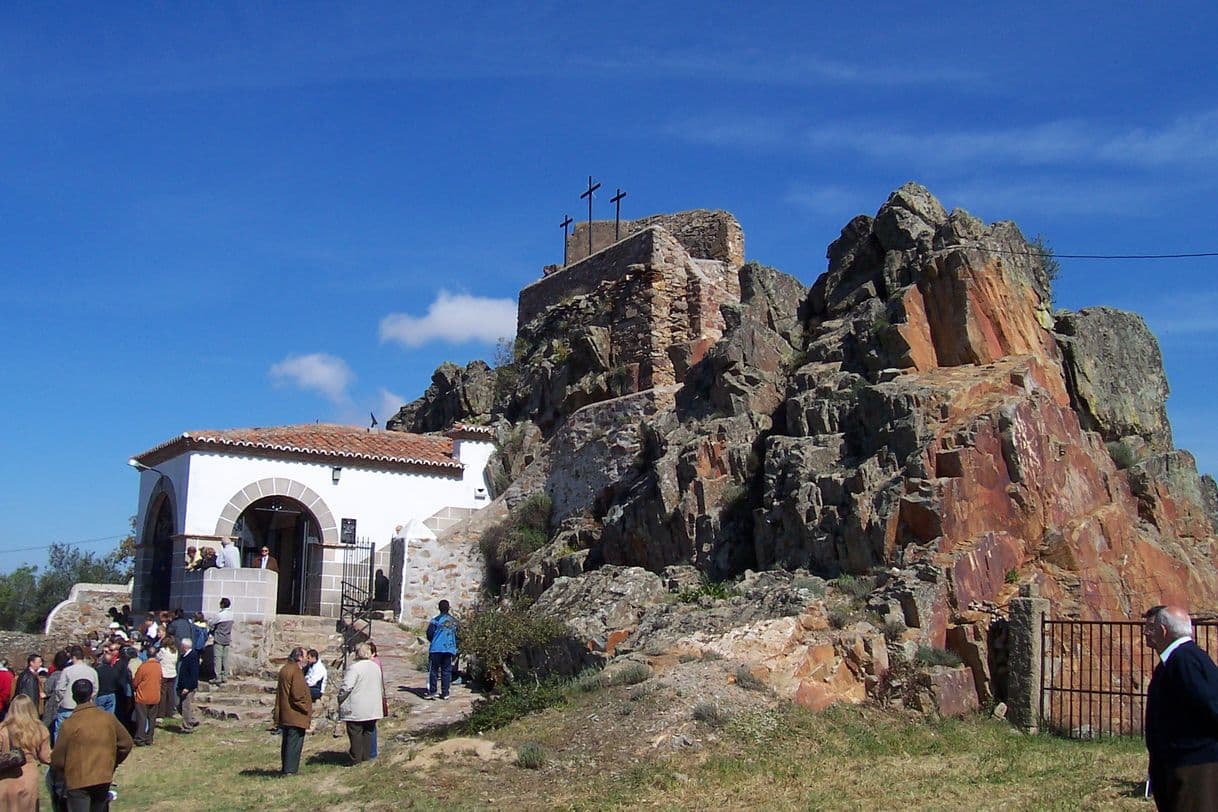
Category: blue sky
[235,214]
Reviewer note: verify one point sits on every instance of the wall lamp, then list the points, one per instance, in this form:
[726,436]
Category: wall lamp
[139,466]
[336,473]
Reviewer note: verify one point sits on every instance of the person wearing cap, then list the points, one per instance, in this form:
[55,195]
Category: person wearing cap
[115,629]
[91,743]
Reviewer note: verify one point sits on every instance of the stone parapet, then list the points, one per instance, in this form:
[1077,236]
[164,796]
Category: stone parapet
[253,592]
[704,233]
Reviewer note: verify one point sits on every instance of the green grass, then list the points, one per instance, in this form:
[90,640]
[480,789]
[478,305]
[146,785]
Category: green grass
[588,755]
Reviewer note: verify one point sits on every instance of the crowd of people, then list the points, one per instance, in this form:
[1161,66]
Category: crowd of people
[126,677]
[81,713]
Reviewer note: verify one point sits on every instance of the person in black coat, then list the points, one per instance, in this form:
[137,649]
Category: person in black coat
[188,683]
[1181,715]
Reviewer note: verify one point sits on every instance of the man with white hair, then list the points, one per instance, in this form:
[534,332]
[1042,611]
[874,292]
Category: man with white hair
[188,683]
[1181,714]
[230,556]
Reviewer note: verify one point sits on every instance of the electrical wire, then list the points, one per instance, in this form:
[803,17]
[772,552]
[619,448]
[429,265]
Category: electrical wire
[79,543]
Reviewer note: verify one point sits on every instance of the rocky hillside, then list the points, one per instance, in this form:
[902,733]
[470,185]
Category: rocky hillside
[919,418]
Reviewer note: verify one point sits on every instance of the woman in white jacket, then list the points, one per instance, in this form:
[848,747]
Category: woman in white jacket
[360,702]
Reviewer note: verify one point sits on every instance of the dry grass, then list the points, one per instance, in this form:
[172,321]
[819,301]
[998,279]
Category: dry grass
[606,750]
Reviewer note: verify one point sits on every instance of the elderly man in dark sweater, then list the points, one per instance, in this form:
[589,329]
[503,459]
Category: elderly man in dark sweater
[1181,715]
[188,683]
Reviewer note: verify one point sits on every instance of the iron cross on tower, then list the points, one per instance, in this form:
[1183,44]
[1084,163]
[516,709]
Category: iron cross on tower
[616,200]
[567,221]
[588,194]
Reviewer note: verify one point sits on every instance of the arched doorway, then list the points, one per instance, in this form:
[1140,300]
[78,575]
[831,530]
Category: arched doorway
[159,534]
[290,531]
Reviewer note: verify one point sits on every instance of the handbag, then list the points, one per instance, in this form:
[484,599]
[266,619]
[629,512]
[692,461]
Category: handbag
[12,759]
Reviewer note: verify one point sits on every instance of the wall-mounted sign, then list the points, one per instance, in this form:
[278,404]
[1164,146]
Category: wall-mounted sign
[347,534]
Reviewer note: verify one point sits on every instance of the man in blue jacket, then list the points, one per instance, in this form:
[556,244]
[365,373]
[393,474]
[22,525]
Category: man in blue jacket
[1181,714]
[442,632]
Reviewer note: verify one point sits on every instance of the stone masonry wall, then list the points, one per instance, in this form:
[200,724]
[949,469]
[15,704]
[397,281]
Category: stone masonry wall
[705,234]
[84,611]
[659,306]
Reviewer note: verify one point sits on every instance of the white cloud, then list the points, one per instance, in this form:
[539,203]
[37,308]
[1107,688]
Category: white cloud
[1188,140]
[454,318]
[387,404]
[775,68]
[325,374]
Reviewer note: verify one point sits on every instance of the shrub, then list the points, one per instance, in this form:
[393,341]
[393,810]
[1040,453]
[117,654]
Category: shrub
[857,587]
[631,674]
[893,630]
[1012,576]
[747,680]
[840,618]
[587,681]
[526,530]
[517,700]
[929,655]
[710,714]
[716,590]
[531,756]
[1121,454]
[491,636]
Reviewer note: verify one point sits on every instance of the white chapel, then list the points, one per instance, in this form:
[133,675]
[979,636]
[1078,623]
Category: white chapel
[315,495]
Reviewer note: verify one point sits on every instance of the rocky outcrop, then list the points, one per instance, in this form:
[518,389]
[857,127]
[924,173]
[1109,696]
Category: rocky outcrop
[1115,376]
[917,411]
[456,395]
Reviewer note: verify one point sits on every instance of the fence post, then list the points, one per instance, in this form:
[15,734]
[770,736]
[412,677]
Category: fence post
[1027,614]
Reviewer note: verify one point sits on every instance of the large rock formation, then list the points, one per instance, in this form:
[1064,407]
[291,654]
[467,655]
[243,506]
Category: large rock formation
[918,411]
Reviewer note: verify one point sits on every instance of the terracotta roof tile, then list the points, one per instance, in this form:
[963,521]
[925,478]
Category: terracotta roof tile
[393,449]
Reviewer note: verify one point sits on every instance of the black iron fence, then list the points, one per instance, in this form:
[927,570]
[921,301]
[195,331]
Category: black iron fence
[1095,672]
[356,599]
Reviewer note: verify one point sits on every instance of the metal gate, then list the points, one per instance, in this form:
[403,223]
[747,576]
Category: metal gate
[1094,675]
[355,603]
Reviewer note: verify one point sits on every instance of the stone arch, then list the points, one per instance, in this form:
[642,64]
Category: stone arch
[278,486]
[163,489]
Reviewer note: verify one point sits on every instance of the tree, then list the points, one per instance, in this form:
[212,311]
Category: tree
[1048,263]
[27,596]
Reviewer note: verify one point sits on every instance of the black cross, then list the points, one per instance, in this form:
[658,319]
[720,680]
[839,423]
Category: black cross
[588,194]
[563,225]
[616,200]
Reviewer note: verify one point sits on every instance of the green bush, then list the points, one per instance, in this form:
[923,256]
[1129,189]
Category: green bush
[525,531]
[1012,576]
[516,700]
[929,655]
[857,587]
[587,681]
[893,630]
[840,618]
[493,635]
[531,756]
[747,680]
[710,714]
[632,674]
[716,590]
[1121,454]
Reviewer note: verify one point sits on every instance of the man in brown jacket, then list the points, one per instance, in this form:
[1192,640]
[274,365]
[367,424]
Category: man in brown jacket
[146,685]
[293,711]
[91,743]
